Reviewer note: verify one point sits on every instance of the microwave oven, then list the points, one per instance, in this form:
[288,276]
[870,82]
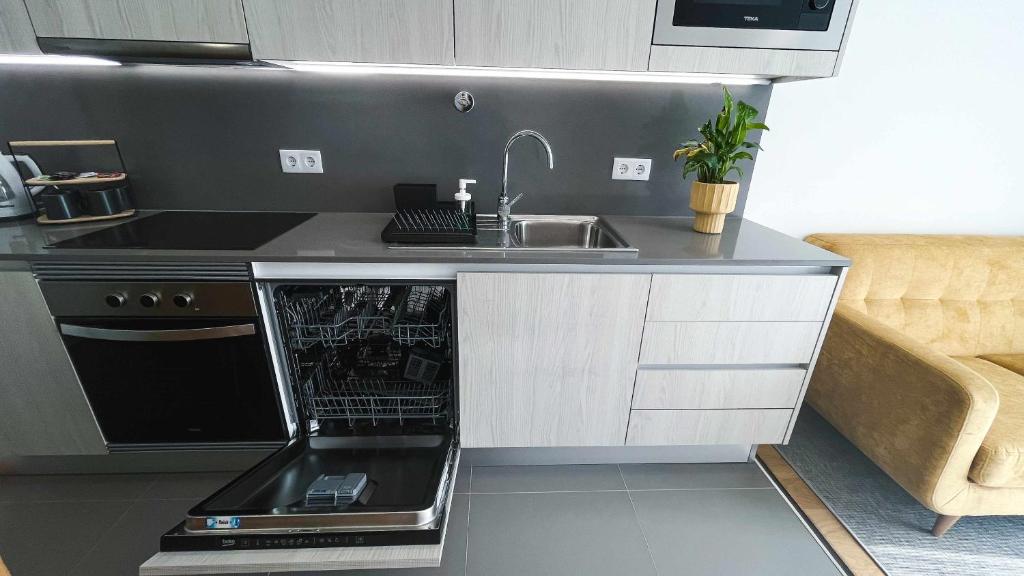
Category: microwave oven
[776,24]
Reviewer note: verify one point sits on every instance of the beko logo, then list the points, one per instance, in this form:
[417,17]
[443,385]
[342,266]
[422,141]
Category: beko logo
[752,18]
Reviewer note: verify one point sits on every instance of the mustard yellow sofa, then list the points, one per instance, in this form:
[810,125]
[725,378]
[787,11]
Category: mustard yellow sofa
[923,367]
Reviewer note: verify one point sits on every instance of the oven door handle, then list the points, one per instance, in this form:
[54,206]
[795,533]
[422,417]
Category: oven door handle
[185,335]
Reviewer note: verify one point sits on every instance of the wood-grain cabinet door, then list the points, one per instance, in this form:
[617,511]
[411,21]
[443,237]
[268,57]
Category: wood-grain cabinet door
[574,34]
[16,33]
[43,410]
[548,359]
[166,20]
[381,31]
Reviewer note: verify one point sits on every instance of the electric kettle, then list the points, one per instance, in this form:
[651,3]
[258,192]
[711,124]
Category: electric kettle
[15,202]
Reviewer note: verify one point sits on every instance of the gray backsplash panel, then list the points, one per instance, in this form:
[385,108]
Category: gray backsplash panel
[208,138]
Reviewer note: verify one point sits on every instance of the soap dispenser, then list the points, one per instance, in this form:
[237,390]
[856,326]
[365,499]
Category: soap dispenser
[462,197]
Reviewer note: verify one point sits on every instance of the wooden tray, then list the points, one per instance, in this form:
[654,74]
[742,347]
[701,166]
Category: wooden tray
[72,182]
[84,219]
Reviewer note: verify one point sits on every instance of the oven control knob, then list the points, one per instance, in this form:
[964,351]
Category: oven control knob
[116,300]
[149,300]
[183,300]
[820,4]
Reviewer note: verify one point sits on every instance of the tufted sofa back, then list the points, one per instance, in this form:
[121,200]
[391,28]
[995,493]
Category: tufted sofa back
[963,295]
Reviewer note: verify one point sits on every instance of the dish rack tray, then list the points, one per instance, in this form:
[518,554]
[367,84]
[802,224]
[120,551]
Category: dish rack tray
[328,396]
[409,315]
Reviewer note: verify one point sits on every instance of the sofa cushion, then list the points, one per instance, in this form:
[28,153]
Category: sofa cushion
[1000,460]
[962,295]
[1013,362]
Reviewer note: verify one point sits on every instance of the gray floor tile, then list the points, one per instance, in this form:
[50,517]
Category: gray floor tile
[462,478]
[556,534]
[577,478]
[49,538]
[691,476]
[191,486]
[73,487]
[133,539]
[453,559]
[719,532]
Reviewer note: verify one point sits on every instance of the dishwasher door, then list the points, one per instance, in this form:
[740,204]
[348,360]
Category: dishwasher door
[410,478]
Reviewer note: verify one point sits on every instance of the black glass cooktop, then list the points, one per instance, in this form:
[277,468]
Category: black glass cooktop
[192,231]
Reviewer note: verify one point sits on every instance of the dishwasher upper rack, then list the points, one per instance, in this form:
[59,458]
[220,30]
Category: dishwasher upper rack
[359,399]
[337,316]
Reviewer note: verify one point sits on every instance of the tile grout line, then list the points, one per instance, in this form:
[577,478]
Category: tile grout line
[716,489]
[110,528]
[640,524]
[469,520]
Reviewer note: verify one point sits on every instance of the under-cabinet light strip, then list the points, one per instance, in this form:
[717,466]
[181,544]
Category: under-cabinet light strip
[358,69]
[55,60]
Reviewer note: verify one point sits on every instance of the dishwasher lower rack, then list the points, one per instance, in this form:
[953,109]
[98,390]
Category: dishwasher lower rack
[410,315]
[327,395]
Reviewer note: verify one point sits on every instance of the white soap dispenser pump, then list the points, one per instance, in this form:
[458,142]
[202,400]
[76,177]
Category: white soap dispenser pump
[462,196]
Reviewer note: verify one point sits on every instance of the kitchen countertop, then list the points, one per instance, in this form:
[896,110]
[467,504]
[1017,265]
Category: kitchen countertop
[355,237]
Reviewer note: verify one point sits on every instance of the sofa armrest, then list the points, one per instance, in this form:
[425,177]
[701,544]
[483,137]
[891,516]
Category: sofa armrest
[918,414]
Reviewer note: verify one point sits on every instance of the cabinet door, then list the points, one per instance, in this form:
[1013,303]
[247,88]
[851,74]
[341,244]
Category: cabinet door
[16,33]
[548,359]
[43,410]
[578,34]
[171,20]
[385,31]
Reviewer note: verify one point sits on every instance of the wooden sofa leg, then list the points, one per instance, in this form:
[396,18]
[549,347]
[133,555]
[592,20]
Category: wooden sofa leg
[943,524]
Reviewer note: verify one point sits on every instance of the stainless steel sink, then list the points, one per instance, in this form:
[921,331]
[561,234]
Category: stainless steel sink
[563,233]
[535,233]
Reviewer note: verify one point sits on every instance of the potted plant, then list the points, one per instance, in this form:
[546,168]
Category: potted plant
[712,196]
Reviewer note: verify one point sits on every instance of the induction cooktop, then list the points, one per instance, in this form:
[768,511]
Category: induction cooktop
[192,231]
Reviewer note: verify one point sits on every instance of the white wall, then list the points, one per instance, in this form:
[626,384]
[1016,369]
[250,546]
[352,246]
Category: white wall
[922,132]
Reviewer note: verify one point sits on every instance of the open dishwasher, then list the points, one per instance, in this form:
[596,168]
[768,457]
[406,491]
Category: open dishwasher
[369,382]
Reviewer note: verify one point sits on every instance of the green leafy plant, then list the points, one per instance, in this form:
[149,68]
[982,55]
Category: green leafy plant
[725,143]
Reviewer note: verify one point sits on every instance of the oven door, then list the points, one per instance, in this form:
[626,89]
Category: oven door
[172,383]
[779,24]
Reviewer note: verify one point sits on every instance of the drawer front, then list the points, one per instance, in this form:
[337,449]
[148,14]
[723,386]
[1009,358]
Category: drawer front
[694,427]
[717,389]
[729,298]
[729,342]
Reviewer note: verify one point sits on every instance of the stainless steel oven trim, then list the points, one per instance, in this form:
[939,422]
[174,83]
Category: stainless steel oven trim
[181,335]
[667,34]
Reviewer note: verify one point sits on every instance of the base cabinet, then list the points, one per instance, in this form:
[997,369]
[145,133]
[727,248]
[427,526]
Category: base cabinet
[43,410]
[548,359]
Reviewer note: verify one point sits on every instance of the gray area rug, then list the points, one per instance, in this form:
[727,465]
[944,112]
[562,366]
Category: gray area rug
[893,527]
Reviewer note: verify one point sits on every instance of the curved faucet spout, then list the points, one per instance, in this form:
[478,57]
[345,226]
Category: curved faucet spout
[504,204]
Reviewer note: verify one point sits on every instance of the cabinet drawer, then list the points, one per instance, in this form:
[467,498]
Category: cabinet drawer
[717,389]
[681,298]
[689,427]
[729,342]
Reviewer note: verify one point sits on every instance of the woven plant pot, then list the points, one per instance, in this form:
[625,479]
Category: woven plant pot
[711,202]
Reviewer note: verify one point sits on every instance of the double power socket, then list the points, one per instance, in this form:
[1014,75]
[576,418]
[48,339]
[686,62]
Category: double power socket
[301,162]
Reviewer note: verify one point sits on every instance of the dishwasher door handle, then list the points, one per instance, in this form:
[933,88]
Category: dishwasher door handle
[184,335]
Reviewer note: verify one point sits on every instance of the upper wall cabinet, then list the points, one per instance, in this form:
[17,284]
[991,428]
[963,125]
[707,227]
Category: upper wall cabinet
[383,31]
[170,20]
[16,36]
[575,34]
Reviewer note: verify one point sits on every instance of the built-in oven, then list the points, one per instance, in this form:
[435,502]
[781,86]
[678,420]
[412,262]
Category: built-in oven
[170,365]
[779,24]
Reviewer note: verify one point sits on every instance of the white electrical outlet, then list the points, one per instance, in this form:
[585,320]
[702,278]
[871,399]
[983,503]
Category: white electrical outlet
[631,169]
[311,162]
[301,162]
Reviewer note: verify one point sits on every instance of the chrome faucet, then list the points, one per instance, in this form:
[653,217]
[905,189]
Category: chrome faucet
[504,204]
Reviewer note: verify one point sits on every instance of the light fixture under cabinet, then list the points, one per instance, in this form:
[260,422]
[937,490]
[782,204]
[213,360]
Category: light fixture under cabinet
[55,60]
[358,69]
